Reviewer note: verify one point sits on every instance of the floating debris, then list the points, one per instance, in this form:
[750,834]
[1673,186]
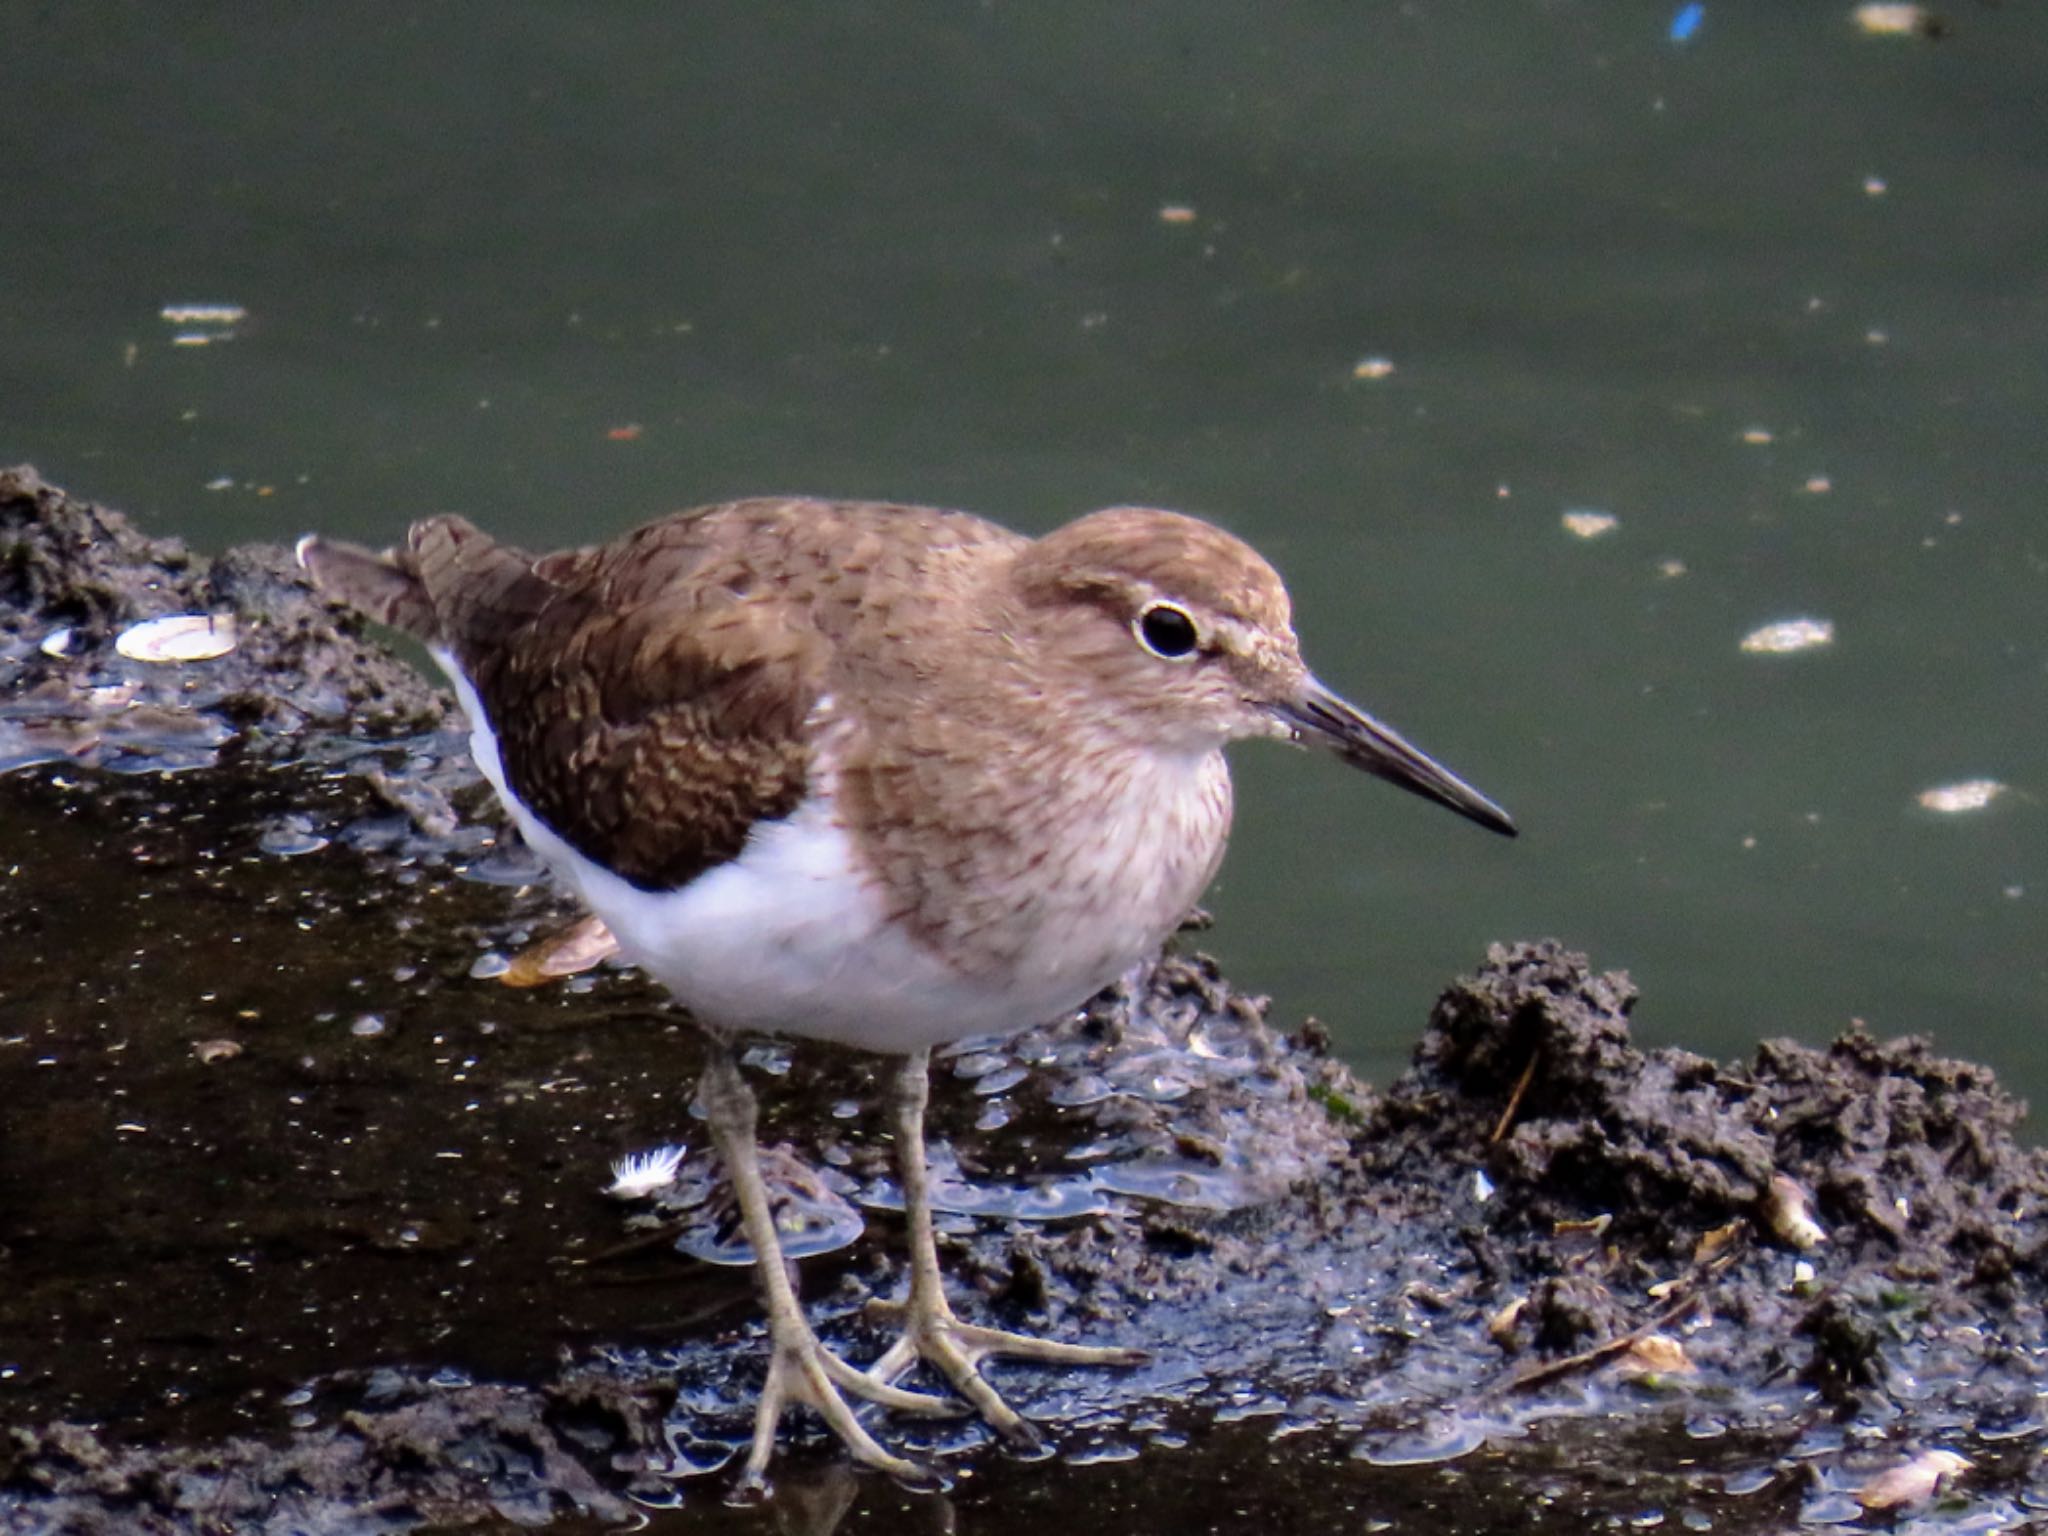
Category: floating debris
[1586,523]
[1893,20]
[1954,799]
[1817,485]
[1789,635]
[1686,24]
[178,637]
[1176,213]
[203,314]
[1913,1482]
[210,1051]
[202,324]
[639,1174]
[1875,186]
[1671,570]
[1373,368]
[1758,436]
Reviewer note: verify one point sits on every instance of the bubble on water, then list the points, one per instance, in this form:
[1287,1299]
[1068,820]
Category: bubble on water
[1058,1199]
[1088,1088]
[291,836]
[1101,1453]
[994,1116]
[1157,1087]
[1000,1082]
[1443,1439]
[692,1455]
[811,1212]
[1176,1181]
[970,1046]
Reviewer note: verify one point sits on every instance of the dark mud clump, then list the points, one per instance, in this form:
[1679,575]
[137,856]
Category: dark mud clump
[414,1456]
[1891,1174]
[75,577]
[302,1223]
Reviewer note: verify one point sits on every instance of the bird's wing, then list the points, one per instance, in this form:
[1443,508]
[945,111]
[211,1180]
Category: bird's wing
[648,696]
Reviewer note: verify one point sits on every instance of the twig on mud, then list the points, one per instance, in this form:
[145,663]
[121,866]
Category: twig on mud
[639,1243]
[1507,1115]
[1683,1298]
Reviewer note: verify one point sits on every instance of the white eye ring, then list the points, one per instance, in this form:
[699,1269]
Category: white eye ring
[1166,630]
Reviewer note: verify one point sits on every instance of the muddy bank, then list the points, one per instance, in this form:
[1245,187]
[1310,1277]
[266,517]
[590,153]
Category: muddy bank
[303,1223]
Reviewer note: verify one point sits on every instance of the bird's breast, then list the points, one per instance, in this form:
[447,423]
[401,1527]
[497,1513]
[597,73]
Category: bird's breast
[984,907]
[1089,873]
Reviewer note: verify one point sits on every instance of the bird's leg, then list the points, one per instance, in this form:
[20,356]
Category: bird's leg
[930,1330]
[800,1368]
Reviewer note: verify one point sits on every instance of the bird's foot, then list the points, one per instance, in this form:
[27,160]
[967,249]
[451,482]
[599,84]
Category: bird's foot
[932,1334]
[803,1372]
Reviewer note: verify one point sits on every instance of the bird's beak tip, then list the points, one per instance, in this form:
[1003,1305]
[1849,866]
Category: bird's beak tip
[1321,718]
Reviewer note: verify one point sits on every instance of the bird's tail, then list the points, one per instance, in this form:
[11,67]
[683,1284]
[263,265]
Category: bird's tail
[385,587]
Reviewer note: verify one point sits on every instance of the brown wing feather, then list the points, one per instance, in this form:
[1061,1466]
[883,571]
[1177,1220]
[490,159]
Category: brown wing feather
[644,709]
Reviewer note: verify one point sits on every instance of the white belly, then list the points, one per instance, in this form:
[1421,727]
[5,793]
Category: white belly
[791,937]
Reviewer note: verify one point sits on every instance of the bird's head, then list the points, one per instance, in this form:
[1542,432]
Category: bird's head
[1180,636]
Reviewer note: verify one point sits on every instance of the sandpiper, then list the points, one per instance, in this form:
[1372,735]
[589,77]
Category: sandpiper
[885,775]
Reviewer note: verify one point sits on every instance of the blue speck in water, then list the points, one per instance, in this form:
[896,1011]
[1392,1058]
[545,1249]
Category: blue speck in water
[1687,22]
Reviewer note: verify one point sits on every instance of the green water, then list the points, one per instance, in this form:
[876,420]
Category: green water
[564,268]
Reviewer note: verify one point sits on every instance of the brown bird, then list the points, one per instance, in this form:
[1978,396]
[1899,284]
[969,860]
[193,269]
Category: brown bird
[884,775]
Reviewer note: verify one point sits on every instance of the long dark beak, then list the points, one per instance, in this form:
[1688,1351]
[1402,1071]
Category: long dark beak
[1319,718]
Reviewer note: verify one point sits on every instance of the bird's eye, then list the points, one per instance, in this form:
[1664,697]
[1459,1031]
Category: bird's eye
[1167,632]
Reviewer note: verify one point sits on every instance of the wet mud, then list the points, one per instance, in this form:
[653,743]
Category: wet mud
[304,1223]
